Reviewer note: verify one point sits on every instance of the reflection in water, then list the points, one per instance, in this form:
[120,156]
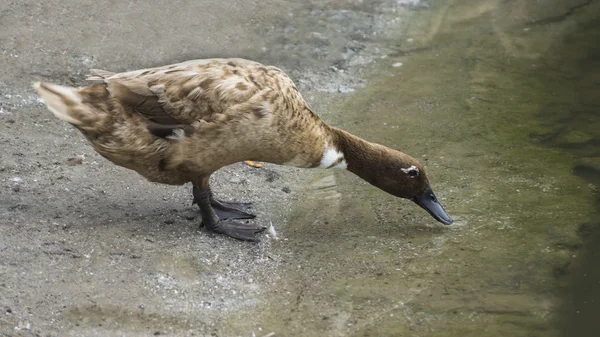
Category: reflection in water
[497,98]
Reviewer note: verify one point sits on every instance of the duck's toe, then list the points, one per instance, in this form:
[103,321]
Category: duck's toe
[238,230]
[231,210]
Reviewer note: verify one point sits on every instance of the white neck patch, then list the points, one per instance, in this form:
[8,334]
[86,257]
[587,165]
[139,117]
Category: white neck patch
[332,158]
[412,171]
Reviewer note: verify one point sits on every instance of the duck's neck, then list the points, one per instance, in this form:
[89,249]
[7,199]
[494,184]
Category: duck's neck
[353,153]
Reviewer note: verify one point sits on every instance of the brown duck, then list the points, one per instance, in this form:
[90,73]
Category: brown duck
[182,122]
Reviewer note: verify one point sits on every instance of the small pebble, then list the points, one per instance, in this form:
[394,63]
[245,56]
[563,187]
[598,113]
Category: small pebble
[345,89]
[397,64]
[169,221]
[286,190]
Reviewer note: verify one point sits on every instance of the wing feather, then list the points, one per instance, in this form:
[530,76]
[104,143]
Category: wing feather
[184,93]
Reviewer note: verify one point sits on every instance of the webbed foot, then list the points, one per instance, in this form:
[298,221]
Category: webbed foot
[224,209]
[238,230]
[217,216]
[231,210]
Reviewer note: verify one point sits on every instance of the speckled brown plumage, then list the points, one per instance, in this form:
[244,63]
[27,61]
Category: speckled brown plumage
[180,123]
[255,113]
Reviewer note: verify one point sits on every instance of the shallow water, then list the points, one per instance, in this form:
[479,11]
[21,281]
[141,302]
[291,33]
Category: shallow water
[497,99]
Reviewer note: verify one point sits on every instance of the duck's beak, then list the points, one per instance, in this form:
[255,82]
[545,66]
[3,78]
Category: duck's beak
[429,202]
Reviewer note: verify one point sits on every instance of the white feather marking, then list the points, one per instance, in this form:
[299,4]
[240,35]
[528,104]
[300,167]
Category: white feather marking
[412,168]
[332,158]
[178,135]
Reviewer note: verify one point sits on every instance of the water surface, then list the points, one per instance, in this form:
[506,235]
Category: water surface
[497,99]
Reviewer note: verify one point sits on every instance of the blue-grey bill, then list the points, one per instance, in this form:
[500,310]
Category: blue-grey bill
[431,204]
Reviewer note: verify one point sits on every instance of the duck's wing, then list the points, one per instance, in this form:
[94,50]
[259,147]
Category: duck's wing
[185,93]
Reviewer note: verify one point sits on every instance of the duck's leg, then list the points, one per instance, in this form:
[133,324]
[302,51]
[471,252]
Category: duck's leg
[224,209]
[229,227]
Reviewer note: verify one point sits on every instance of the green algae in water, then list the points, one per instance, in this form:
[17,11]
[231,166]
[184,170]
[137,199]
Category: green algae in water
[362,263]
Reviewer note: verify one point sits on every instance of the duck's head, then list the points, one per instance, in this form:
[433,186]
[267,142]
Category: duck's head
[403,176]
[394,172]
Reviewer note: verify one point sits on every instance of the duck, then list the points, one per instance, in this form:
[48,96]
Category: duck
[180,123]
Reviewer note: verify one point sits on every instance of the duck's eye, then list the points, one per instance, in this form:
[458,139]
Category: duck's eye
[411,171]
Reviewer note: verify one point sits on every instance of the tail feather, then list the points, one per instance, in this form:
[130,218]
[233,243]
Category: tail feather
[99,75]
[64,102]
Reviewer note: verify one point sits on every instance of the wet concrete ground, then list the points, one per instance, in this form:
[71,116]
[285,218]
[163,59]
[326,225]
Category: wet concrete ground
[494,97]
